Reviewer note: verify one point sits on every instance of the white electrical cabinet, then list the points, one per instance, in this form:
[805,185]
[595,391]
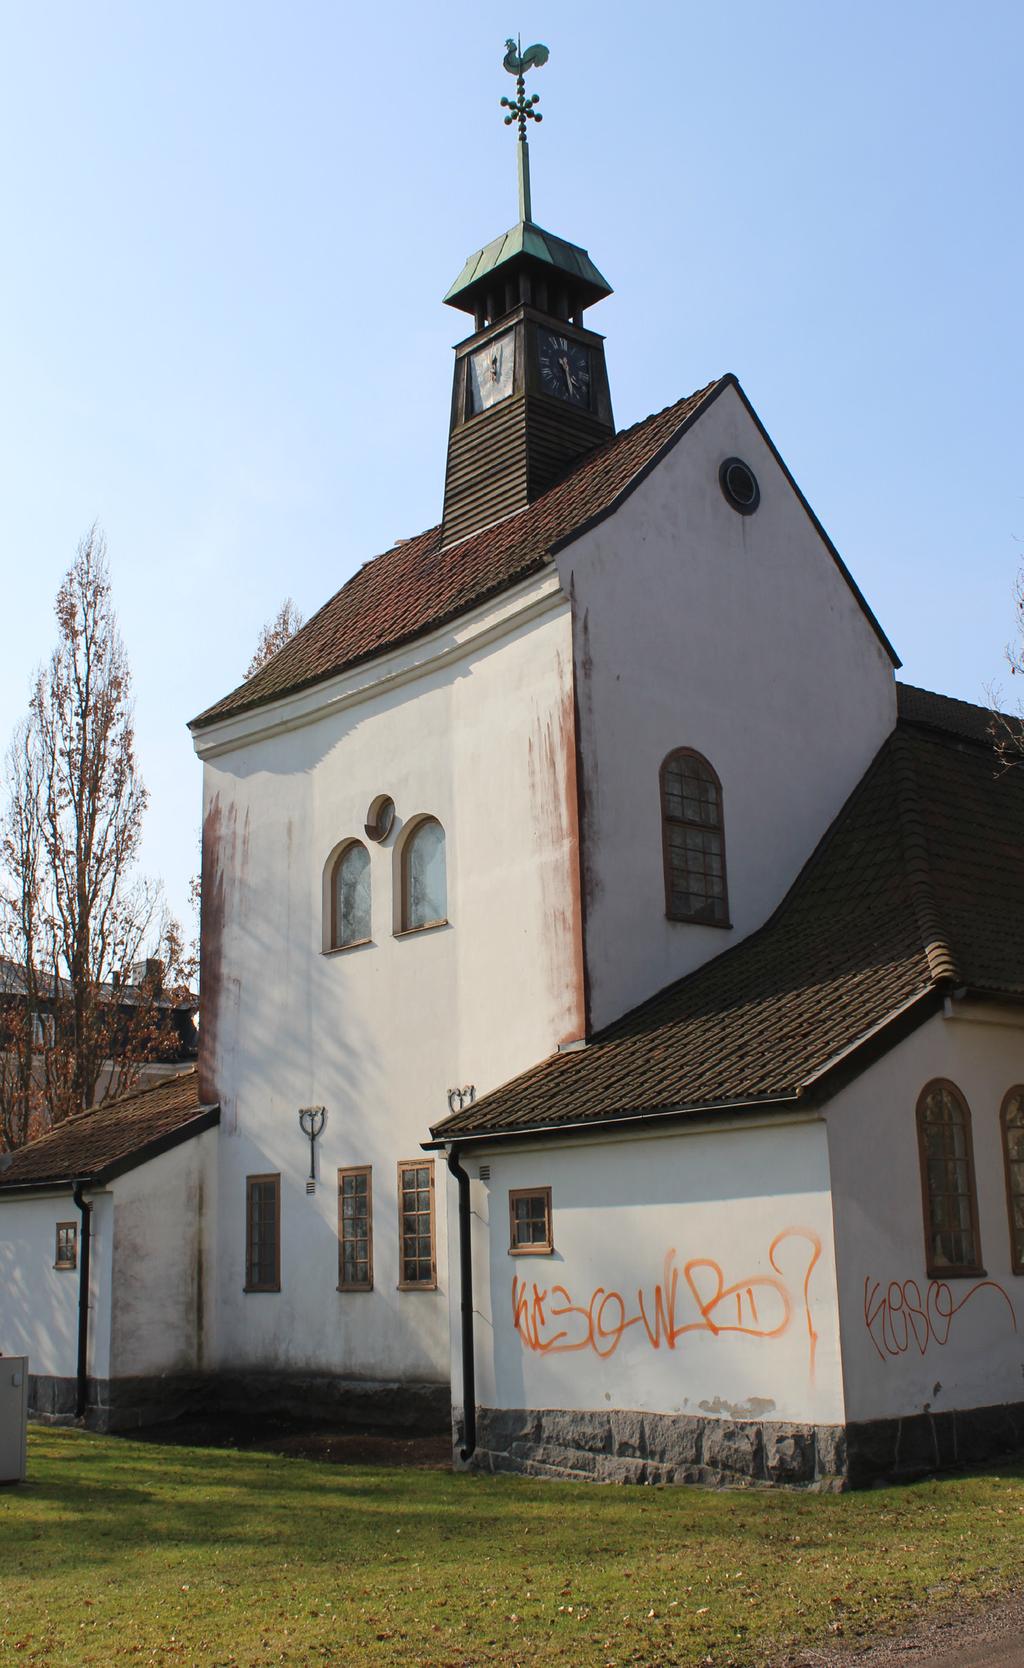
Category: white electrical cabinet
[13,1417]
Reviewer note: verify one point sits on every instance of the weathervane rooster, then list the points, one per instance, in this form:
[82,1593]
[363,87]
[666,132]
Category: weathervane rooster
[521,109]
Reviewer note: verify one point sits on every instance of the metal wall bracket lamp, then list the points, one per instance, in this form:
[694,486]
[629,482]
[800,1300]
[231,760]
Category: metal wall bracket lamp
[312,1120]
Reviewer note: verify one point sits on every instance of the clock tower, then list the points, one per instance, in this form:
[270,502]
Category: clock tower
[530,394]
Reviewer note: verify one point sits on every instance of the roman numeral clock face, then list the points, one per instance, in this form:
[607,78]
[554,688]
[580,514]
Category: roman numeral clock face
[564,368]
[490,373]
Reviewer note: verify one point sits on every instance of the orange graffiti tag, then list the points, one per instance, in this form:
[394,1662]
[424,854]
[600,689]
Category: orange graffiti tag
[759,1306]
[900,1316]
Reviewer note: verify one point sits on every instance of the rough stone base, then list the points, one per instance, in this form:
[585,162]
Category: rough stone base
[923,1443]
[626,1447]
[122,1404]
[620,1446]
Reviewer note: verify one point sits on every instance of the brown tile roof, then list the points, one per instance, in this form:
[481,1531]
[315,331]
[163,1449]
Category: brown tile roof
[417,586]
[117,1136]
[917,888]
[959,718]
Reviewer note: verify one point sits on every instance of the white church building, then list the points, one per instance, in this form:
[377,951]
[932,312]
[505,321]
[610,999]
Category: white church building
[645,962]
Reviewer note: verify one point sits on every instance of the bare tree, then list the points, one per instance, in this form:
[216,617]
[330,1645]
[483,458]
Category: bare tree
[1007,728]
[274,635]
[76,917]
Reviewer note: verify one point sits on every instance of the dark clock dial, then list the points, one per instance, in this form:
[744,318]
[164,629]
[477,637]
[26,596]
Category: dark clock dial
[564,368]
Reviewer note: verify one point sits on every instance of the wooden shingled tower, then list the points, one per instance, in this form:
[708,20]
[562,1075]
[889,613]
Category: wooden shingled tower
[530,393]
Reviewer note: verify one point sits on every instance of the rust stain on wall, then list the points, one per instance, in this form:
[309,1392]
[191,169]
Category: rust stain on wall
[551,750]
[211,934]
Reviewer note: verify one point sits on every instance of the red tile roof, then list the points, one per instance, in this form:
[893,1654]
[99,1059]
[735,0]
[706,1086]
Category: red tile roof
[117,1136]
[916,889]
[419,586]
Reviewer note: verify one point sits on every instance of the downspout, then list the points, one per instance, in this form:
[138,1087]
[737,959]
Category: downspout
[466,1304]
[82,1396]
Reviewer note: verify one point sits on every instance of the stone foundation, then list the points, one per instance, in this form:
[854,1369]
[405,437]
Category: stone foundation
[620,1446]
[625,1447]
[124,1404]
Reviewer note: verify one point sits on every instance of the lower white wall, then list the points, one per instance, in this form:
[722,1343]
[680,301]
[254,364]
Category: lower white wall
[162,1242]
[732,1226]
[912,1345]
[39,1303]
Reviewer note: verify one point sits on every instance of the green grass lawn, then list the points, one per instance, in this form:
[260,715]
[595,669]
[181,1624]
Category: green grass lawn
[123,1552]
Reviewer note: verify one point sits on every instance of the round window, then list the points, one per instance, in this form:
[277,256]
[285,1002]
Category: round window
[380,817]
[739,486]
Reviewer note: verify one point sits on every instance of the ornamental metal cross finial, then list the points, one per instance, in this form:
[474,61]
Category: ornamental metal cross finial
[521,110]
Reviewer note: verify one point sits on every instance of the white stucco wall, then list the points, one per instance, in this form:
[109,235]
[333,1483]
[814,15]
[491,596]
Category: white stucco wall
[39,1303]
[904,1349]
[474,727]
[163,1239]
[731,1224]
[733,635]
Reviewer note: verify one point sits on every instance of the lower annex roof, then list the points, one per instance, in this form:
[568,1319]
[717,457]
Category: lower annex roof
[915,890]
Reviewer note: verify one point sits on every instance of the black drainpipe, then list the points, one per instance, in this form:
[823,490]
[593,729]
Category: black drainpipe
[83,1300]
[466,1300]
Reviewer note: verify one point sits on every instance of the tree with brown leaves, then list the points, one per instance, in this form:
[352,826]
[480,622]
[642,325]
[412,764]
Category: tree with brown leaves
[274,635]
[75,917]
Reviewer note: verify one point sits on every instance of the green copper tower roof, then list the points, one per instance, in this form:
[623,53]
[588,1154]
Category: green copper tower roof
[535,244]
[526,247]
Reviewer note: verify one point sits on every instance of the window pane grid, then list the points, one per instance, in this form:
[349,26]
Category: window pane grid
[416,1224]
[694,841]
[530,1219]
[355,1265]
[949,1184]
[262,1237]
[1013,1147]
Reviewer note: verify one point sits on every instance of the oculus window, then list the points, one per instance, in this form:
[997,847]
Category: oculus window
[693,840]
[948,1193]
[424,879]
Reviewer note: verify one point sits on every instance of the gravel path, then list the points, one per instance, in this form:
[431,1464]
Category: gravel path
[985,1639]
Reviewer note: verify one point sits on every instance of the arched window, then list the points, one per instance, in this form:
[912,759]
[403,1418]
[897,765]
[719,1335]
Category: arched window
[1012,1120]
[350,896]
[693,840]
[424,885]
[947,1182]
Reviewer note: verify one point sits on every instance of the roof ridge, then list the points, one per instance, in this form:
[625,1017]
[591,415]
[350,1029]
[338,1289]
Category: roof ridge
[137,1092]
[917,862]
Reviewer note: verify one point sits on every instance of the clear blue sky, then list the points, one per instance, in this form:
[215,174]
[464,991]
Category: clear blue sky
[229,227]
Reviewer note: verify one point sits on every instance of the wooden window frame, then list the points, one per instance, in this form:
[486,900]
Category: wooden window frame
[944,1271]
[275,1285]
[356,1285]
[58,1260]
[418,1285]
[354,943]
[1016,1093]
[666,853]
[404,930]
[543,1248]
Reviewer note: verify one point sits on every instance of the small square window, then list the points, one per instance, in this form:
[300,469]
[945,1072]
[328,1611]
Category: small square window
[529,1211]
[67,1245]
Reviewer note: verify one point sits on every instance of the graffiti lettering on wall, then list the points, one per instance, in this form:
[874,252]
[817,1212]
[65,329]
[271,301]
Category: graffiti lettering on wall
[898,1315]
[759,1306]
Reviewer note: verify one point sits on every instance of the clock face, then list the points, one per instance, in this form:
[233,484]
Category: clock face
[490,372]
[564,368]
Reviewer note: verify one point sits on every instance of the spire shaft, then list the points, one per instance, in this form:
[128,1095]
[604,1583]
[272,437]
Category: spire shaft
[525,203]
